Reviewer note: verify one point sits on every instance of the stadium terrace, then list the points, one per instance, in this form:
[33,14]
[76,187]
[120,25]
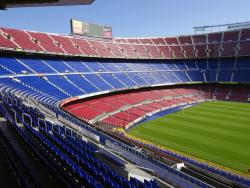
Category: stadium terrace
[73,101]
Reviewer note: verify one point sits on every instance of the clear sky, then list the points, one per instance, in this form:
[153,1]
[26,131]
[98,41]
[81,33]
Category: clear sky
[132,18]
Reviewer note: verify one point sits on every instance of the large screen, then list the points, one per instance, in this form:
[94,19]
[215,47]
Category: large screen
[90,30]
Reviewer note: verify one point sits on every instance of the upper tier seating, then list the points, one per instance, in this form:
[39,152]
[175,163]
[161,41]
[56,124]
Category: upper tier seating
[135,41]
[6,41]
[199,39]
[67,44]
[46,41]
[23,39]
[185,39]
[228,43]
[230,36]
[214,37]
[158,41]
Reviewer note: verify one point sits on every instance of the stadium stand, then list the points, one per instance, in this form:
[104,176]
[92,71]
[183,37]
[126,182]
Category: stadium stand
[95,85]
[116,108]
[224,44]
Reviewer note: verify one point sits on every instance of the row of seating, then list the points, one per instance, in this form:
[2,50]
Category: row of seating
[77,154]
[222,44]
[27,66]
[15,164]
[91,108]
[40,147]
[226,36]
[62,79]
[231,92]
[125,118]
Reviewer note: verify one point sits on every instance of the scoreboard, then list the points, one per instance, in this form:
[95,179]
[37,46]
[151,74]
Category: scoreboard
[90,30]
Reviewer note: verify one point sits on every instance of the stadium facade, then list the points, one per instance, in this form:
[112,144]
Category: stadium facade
[67,94]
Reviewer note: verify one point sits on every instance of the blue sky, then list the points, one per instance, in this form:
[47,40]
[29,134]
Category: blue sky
[132,18]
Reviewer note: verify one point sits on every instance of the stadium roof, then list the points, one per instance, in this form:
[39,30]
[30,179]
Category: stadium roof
[32,3]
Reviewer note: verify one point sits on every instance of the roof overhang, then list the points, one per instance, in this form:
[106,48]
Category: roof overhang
[56,3]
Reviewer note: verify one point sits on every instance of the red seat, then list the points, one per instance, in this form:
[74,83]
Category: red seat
[214,50]
[158,41]
[85,47]
[67,44]
[141,51]
[6,42]
[86,112]
[166,52]
[23,39]
[185,40]
[230,36]
[188,51]
[133,41]
[101,48]
[154,51]
[115,49]
[201,50]
[128,50]
[46,42]
[171,41]
[244,48]
[245,34]
[145,41]
[126,116]
[214,37]
[177,51]
[136,111]
[229,49]
[199,39]
[114,122]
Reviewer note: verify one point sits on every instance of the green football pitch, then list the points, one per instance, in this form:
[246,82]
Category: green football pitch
[217,132]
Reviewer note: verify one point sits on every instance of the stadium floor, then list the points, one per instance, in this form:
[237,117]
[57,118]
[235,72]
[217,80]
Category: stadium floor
[217,132]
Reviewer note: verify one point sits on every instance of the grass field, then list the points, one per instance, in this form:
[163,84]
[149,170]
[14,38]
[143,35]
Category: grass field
[217,131]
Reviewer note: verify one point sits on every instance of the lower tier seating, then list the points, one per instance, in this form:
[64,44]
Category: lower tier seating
[72,153]
[124,108]
[91,108]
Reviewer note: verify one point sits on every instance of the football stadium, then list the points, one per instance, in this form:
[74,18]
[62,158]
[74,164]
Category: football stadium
[88,109]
